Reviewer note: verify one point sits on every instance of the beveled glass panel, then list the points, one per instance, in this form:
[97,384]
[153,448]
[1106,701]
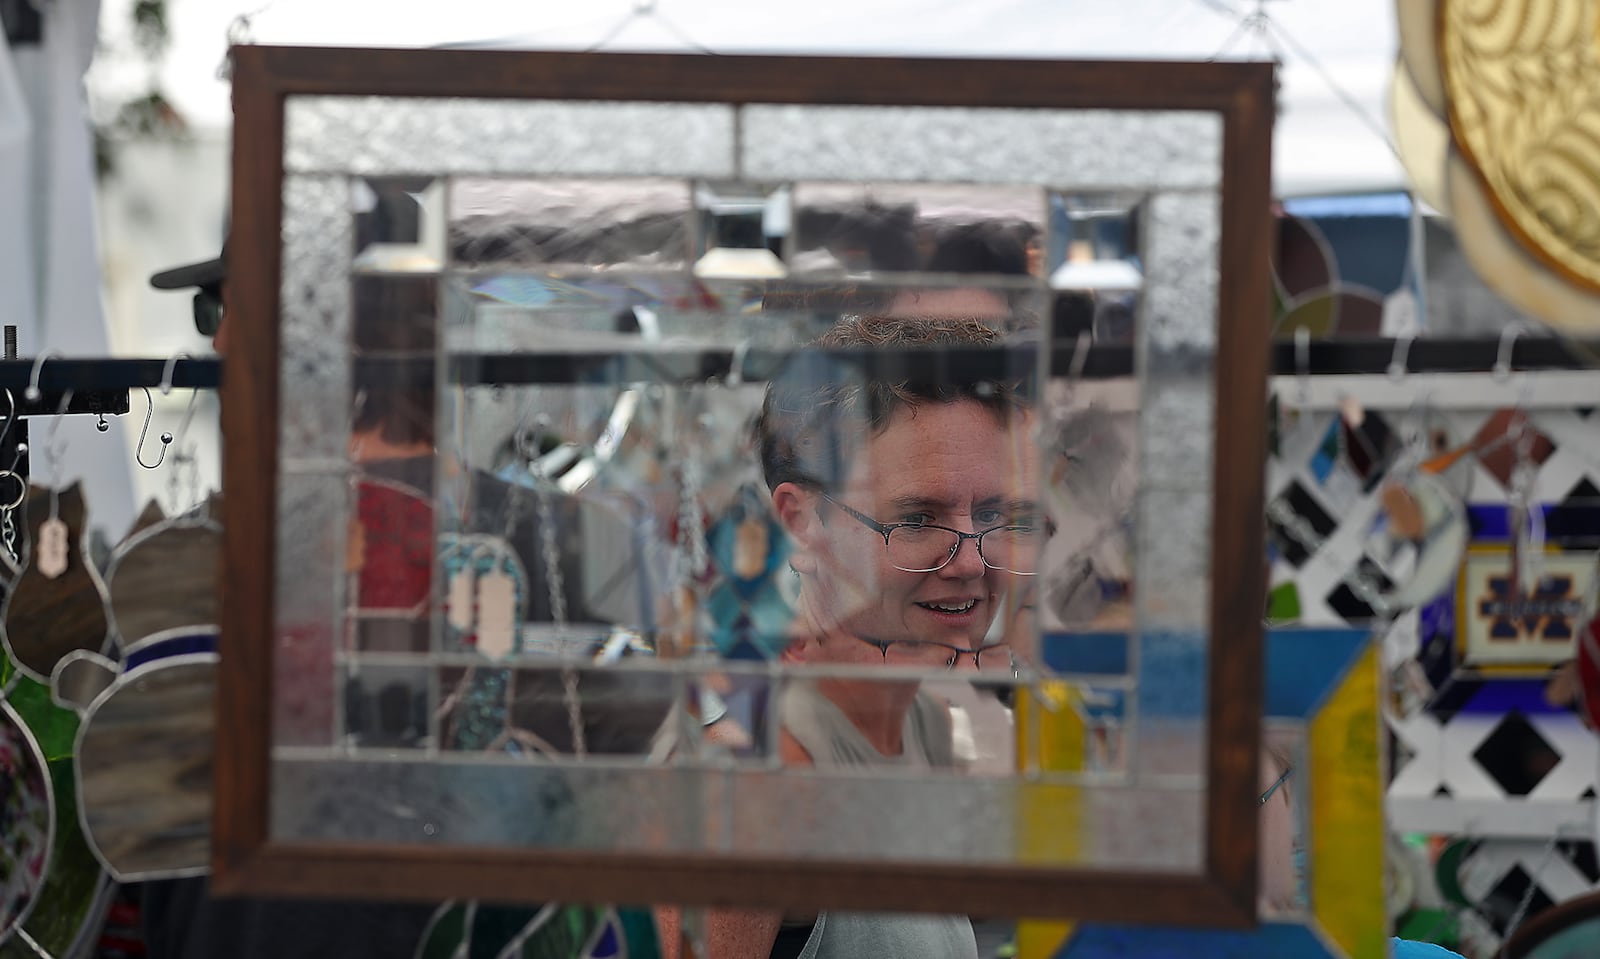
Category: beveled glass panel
[378,136]
[648,523]
[1086,149]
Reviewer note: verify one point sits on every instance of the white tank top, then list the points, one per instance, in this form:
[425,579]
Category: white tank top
[832,741]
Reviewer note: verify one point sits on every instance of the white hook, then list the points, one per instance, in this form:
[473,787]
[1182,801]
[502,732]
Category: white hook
[735,375]
[1402,353]
[1502,362]
[166,438]
[166,372]
[32,393]
[1080,357]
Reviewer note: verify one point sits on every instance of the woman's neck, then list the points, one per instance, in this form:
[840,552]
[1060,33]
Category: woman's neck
[877,710]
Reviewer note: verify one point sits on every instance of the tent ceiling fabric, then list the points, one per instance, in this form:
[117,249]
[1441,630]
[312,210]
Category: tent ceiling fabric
[1321,144]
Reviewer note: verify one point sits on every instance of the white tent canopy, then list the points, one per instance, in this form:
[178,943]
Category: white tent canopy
[1323,143]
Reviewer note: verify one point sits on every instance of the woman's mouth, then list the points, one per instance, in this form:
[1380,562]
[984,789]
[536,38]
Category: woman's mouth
[951,607]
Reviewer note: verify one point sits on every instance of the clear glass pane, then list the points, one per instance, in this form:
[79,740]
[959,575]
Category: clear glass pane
[860,230]
[570,225]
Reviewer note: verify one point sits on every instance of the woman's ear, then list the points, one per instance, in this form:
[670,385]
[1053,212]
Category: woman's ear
[796,509]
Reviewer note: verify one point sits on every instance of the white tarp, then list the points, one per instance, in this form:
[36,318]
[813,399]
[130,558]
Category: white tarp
[47,180]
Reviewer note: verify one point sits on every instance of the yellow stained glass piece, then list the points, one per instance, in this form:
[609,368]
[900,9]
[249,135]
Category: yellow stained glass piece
[1522,78]
[1347,831]
[1053,738]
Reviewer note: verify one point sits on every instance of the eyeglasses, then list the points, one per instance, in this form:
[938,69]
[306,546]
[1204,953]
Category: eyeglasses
[924,548]
[1275,785]
[207,312]
[956,652]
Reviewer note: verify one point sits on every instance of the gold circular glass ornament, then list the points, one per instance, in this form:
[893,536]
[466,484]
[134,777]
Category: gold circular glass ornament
[1522,81]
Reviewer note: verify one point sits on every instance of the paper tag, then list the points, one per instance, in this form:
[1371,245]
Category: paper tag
[355,547]
[750,546]
[52,561]
[458,604]
[497,601]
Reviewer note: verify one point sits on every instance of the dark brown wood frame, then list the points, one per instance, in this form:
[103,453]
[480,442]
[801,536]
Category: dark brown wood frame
[246,861]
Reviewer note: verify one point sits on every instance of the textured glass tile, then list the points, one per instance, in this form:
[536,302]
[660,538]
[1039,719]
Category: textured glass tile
[1177,433]
[856,230]
[399,223]
[385,707]
[1178,327]
[313,515]
[1085,149]
[511,224]
[1173,560]
[507,802]
[413,135]
[314,308]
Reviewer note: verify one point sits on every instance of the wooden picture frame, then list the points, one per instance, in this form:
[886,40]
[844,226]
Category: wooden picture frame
[248,860]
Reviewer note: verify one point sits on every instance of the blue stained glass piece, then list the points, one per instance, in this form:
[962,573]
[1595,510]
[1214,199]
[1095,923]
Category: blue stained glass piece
[175,646]
[1096,654]
[609,943]
[1305,664]
[1327,454]
[1500,696]
[1269,941]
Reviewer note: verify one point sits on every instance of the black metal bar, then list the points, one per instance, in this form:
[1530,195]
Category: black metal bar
[668,364]
[59,375]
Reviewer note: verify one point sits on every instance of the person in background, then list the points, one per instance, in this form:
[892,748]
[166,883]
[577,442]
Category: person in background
[911,511]
[180,917]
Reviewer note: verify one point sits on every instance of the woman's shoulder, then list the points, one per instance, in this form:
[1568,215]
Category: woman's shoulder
[1407,949]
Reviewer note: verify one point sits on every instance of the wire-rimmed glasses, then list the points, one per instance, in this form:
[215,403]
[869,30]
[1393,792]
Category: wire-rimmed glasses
[925,548]
[1276,785]
[957,653]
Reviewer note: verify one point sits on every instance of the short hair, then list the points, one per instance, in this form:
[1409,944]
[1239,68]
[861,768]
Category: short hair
[815,412]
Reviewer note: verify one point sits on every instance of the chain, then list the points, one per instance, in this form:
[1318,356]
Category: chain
[558,606]
[8,534]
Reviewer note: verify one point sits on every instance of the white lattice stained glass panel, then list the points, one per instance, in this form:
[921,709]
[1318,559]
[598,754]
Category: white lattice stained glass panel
[313,515]
[401,135]
[1087,149]
[314,379]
